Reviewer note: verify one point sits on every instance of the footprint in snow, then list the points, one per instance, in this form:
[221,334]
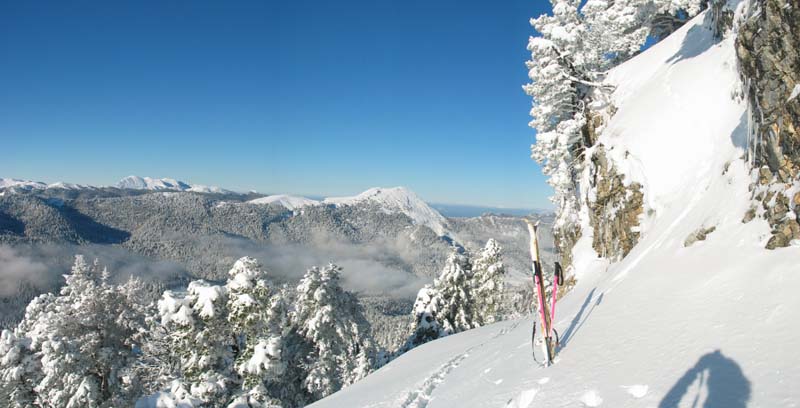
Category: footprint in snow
[637,391]
[544,380]
[523,400]
[591,399]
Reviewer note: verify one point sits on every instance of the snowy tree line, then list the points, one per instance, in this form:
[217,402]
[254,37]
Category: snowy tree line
[466,295]
[241,343]
[576,45]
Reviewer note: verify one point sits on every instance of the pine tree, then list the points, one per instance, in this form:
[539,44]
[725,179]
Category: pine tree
[228,340]
[200,337]
[488,276]
[333,346]
[427,326]
[447,306]
[259,320]
[76,349]
[577,44]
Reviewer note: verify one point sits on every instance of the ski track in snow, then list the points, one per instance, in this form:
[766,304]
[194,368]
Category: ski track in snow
[420,397]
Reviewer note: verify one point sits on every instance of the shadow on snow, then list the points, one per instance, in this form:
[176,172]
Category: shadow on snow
[717,377]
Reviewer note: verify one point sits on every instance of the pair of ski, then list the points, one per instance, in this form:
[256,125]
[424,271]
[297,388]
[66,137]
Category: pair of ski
[548,339]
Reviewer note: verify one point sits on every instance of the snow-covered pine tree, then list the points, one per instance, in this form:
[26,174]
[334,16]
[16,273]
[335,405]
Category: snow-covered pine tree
[576,45]
[199,335]
[259,321]
[447,306]
[333,346]
[227,341]
[427,326]
[488,274]
[75,349]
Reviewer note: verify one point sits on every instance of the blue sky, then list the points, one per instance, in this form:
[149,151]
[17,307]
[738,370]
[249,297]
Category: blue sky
[319,98]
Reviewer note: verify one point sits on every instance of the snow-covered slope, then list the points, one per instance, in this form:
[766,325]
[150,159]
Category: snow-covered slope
[149,183]
[289,201]
[398,199]
[389,200]
[38,185]
[711,325]
[24,184]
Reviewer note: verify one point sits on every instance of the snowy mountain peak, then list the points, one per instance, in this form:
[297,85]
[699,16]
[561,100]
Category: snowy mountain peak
[148,183]
[390,200]
[24,184]
[398,199]
[29,185]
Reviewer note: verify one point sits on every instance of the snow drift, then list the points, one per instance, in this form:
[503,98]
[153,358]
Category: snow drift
[711,324]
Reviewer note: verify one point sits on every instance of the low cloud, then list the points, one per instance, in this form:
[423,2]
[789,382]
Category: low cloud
[41,267]
[17,270]
[376,268]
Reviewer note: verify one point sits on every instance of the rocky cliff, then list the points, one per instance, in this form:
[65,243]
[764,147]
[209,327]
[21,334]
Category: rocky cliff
[768,51]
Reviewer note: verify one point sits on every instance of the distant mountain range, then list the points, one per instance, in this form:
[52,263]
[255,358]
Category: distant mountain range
[395,199]
[388,240]
[127,183]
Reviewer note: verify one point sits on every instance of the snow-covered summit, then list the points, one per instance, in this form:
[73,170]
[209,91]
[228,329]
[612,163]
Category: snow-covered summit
[398,199]
[291,202]
[23,184]
[149,183]
[38,185]
[156,184]
[389,200]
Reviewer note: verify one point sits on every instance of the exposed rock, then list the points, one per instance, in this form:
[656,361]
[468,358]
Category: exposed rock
[777,241]
[764,175]
[699,235]
[768,49]
[749,215]
[614,210]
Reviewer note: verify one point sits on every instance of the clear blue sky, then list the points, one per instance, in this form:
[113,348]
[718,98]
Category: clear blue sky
[320,98]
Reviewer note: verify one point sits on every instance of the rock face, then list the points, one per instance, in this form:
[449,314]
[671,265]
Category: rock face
[614,210]
[779,204]
[768,49]
[614,207]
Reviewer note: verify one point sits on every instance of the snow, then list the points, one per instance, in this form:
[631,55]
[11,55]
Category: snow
[795,92]
[68,186]
[289,201]
[390,200]
[24,184]
[261,359]
[175,308]
[710,325]
[206,295]
[398,200]
[199,188]
[149,183]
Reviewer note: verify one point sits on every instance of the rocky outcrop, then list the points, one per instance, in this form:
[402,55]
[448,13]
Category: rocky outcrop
[768,49]
[699,235]
[614,208]
[779,204]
